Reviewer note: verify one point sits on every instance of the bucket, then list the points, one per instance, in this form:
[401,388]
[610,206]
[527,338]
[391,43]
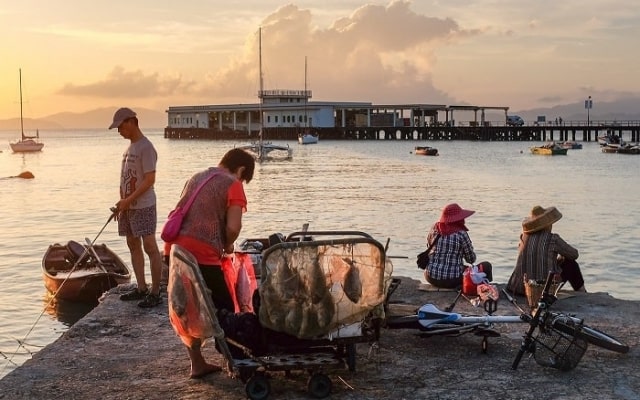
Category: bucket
[533,291]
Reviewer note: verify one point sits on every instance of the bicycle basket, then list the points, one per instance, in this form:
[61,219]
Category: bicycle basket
[558,348]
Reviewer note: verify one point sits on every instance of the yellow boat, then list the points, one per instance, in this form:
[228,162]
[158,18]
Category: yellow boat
[549,149]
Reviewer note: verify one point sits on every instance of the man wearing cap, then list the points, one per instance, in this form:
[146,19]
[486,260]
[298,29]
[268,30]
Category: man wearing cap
[541,251]
[136,208]
[451,247]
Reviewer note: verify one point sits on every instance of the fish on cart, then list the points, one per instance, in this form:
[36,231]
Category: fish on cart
[319,294]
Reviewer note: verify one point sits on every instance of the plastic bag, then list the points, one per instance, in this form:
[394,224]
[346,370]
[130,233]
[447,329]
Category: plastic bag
[471,278]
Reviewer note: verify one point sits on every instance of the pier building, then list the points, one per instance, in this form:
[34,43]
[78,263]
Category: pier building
[285,113]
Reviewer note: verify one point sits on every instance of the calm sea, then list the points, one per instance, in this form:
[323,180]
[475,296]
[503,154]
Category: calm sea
[379,187]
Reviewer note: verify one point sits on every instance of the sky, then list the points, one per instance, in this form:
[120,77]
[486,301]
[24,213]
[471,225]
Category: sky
[77,56]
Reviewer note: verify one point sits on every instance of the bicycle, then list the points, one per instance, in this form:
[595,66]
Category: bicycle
[561,339]
[561,342]
[431,321]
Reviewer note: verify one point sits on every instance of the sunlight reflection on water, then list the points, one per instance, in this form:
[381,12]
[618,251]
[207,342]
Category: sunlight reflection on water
[380,188]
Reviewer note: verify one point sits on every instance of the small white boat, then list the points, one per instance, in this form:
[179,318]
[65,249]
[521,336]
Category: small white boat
[307,138]
[26,143]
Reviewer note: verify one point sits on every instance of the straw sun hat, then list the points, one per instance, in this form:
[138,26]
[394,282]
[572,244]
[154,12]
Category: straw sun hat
[540,218]
[453,212]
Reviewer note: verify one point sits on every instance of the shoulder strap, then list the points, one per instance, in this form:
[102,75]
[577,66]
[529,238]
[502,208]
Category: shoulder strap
[195,192]
[433,243]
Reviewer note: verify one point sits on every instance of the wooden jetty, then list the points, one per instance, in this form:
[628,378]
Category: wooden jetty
[576,132]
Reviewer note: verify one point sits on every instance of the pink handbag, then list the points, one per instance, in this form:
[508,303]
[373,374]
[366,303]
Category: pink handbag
[171,228]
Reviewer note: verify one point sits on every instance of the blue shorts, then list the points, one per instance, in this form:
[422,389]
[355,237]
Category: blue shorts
[138,222]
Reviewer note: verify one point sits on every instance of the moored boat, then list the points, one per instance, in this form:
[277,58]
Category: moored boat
[425,151]
[307,138]
[571,145]
[624,148]
[26,144]
[260,149]
[82,273]
[609,138]
[549,149]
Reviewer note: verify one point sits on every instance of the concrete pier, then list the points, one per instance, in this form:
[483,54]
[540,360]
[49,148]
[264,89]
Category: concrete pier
[120,351]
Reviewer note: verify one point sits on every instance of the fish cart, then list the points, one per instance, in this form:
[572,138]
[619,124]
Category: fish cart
[320,293]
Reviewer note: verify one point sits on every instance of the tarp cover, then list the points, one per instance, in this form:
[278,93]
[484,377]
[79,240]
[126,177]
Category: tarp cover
[190,310]
[310,289]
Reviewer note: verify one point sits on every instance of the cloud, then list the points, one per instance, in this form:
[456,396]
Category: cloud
[122,84]
[378,53]
[375,50]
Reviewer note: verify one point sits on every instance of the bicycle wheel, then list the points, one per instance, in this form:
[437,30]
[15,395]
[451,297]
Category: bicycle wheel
[603,340]
[593,336]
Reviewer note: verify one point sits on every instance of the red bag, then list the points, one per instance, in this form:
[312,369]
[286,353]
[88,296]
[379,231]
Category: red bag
[469,287]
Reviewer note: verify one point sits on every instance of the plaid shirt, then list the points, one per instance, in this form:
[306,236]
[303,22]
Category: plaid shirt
[446,257]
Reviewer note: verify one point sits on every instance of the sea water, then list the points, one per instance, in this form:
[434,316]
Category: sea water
[377,187]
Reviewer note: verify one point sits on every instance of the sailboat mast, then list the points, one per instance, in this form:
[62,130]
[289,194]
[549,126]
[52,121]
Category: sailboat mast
[306,119]
[21,121]
[260,94]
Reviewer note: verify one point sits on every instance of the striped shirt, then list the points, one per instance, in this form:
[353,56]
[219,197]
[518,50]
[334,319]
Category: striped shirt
[537,255]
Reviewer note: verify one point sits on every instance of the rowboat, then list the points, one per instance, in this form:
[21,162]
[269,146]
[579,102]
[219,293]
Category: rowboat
[571,145]
[623,148]
[549,149]
[425,151]
[82,273]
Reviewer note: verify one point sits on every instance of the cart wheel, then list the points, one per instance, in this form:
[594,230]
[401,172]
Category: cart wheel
[319,386]
[257,387]
[485,344]
[245,374]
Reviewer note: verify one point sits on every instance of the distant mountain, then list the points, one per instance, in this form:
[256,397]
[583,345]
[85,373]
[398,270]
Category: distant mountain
[94,119]
[626,109]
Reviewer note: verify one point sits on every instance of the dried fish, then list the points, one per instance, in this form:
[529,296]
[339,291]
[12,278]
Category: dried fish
[352,283]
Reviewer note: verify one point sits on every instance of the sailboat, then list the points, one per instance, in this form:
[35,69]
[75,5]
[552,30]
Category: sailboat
[306,137]
[261,149]
[26,143]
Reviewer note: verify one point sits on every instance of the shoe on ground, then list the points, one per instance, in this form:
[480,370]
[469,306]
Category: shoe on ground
[135,294]
[151,300]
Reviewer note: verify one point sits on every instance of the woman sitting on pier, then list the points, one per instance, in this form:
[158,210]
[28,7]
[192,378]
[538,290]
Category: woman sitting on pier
[541,251]
[452,247]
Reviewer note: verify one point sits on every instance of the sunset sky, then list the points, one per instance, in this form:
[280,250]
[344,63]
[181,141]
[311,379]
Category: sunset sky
[82,55]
